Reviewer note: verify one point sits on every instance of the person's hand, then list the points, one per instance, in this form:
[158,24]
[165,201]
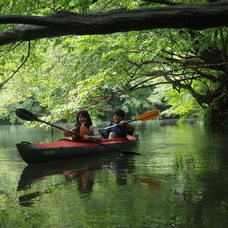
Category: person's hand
[67,133]
[122,122]
[86,137]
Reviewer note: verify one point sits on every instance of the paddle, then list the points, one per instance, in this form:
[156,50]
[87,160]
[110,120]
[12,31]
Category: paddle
[143,117]
[26,115]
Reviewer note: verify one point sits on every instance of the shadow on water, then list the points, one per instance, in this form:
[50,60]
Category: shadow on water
[82,171]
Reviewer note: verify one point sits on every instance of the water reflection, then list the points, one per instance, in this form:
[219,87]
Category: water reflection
[82,172]
[180,180]
[150,182]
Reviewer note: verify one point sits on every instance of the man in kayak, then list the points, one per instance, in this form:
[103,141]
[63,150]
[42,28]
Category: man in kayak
[84,129]
[120,128]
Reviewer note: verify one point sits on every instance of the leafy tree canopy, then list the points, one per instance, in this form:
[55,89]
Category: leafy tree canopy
[183,69]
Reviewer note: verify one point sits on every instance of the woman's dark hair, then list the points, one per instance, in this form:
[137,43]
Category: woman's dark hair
[84,113]
[119,112]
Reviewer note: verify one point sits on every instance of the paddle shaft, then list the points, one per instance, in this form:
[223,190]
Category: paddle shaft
[128,121]
[60,128]
[143,117]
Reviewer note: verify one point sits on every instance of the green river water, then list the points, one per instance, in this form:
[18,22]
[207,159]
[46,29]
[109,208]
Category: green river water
[180,180]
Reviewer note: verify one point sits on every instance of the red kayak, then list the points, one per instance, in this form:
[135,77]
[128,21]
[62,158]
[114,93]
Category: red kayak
[64,148]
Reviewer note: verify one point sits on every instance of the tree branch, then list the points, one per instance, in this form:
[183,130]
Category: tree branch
[19,67]
[162,2]
[193,16]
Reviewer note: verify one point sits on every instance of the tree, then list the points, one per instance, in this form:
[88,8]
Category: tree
[87,71]
[192,61]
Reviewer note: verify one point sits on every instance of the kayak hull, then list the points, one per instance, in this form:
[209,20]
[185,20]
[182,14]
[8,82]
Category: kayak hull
[65,149]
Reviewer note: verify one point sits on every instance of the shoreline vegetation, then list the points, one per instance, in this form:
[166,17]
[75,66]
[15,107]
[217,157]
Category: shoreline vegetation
[182,71]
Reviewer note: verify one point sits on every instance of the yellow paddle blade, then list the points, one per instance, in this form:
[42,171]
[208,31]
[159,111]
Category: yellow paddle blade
[148,115]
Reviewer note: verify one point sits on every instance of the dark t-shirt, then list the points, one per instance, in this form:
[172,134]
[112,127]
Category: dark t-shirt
[121,131]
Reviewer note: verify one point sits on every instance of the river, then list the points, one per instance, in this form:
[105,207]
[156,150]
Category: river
[179,180]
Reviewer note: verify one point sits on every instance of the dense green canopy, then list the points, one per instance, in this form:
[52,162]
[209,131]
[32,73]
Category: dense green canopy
[180,71]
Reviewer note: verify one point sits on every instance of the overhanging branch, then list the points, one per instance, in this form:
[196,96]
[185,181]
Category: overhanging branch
[193,16]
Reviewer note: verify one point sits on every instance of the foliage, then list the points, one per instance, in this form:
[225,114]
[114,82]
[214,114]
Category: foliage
[182,104]
[102,72]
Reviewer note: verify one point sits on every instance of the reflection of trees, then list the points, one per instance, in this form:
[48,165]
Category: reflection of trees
[200,191]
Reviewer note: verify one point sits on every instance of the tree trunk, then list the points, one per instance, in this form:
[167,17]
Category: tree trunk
[217,113]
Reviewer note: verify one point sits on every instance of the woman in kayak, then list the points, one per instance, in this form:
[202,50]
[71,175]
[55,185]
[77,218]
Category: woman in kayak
[83,128]
[120,128]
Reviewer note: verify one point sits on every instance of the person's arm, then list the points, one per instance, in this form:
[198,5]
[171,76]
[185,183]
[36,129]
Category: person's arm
[94,134]
[68,133]
[71,133]
[84,130]
[92,137]
[130,128]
